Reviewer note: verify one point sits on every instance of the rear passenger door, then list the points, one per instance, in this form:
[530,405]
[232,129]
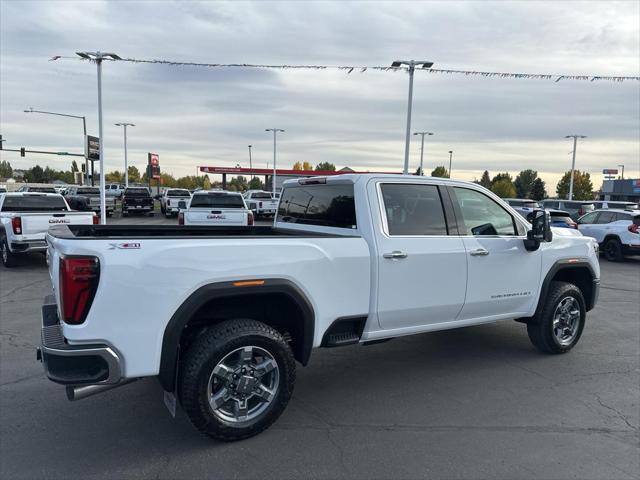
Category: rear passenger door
[422,270]
[503,277]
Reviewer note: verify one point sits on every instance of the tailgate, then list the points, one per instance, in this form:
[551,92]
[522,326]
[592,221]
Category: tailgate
[33,223]
[205,216]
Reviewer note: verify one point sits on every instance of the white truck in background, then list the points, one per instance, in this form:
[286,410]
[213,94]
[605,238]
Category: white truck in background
[350,259]
[261,203]
[171,198]
[25,218]
[215,208]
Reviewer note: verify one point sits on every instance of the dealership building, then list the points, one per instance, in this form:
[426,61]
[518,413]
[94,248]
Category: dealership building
[627,190]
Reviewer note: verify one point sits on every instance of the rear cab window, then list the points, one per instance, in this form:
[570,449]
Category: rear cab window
[34,203]
[137,192]
[216,200]
[323,205]
[413,209]
[178,193]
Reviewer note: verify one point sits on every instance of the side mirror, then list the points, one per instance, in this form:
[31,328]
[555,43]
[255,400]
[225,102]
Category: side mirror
[182,204]
[540,230]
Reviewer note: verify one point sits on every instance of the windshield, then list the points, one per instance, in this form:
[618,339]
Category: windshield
[216,200]
[42,189]
[88,191]
[178,193]
[34,203]
[137,192]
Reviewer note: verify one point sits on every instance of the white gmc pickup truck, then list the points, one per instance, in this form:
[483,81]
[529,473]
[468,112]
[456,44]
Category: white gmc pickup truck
[349,259]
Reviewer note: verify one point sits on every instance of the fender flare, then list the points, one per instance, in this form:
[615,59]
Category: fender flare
[218,291]
[565,265]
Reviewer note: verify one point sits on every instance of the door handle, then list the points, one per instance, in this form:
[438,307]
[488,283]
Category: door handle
[480,252]
[395,254]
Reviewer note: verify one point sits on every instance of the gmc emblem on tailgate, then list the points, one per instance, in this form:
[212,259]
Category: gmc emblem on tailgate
[59,220]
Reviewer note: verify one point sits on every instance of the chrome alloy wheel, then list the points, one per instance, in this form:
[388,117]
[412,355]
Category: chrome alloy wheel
[243,384]
[566,320]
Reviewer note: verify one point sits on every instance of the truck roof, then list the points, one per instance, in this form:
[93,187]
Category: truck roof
[33,194]
[353,178]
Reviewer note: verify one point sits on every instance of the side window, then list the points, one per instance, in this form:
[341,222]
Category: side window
[606,217]
[589,218]
[322,205]
[481,215]
[413,209]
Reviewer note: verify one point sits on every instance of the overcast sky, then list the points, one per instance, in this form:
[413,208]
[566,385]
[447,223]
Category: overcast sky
[195,116]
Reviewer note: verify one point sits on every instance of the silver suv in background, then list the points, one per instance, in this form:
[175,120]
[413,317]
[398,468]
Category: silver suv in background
[574,208]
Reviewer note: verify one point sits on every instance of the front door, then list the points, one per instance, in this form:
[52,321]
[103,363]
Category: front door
[422,271]
[503,277]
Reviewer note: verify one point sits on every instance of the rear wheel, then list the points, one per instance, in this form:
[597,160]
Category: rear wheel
[612,250]
[559,325]
[236,379]
[9,259]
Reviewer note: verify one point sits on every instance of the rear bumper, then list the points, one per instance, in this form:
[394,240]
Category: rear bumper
[74,364]
[26,246]
[137,208]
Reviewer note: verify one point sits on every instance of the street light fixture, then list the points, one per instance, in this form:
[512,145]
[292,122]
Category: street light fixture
[126,165]
[573,161]
[450,157]
[98,57]
[622,175]
[411,64]
[422,149]
[84,139]
[275,131]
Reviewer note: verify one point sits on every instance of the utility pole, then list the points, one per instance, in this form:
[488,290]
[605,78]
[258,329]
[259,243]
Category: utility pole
[98,57]
[411,64]
[250,164]
[573,161]
[421,150]
[126,165]
[273,181]
[450,157]
[622,176]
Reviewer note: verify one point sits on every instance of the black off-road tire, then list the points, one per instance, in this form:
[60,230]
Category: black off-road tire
[9,260]
[202,356]
[540,328]
[612,250]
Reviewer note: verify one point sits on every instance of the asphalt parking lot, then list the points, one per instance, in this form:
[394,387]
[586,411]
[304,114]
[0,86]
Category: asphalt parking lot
[478,402]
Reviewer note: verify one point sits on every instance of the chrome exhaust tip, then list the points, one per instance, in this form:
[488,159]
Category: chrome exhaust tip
[83,391]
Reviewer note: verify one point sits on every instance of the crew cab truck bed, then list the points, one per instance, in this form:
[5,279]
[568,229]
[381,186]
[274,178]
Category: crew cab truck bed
[220,314]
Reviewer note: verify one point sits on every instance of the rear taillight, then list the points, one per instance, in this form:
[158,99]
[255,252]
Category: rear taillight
[96,219]
[78,284]
[16,224]
[633,228]
[250,219]
[180,218]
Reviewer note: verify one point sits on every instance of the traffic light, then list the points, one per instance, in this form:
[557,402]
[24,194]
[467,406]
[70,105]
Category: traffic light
[22,151]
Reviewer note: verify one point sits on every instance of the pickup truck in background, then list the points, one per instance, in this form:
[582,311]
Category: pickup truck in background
[87,198]
[25,218]
[137,200]
[261,203]
[349,259]
[171,198]
[213,208]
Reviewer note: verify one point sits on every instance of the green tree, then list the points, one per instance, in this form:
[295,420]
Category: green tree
[501,176]
[538,190]
[440,171]
[116,177]
[325,166]
[35,175]
[297,166]
[74,166]
[5,169]
[256,184]
[504,188]
[134,174]
[238,184]
[582,186]
[485,180]
[206,183]
[524,183]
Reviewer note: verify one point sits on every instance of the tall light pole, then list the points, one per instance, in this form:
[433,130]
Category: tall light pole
[126,164]
[573,161]
[421,150]
[411,64]
[250,164]
[622,176]
[450,157]
[98,57]
[275,131]
[84,137]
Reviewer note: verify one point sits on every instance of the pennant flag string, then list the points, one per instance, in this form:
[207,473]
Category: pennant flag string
[363,68]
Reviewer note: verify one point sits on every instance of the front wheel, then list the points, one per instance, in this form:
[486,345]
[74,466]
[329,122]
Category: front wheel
[558,326]
[236,379]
